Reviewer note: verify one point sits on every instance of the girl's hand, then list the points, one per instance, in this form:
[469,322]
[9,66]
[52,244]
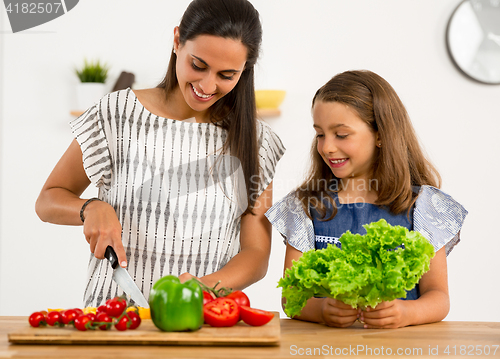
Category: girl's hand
[338,314]
[102,229]
[385,315]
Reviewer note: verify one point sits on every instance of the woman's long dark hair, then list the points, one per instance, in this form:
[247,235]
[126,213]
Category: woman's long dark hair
[236,111]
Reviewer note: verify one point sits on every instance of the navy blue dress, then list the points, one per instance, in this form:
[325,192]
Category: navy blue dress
[351,217]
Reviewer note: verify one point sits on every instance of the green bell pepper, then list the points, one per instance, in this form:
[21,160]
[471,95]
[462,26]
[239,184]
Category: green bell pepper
[176,307]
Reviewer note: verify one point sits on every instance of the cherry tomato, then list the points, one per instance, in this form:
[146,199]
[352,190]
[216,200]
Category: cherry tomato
[36,319]
[82,323]
[78,311]
[123,323]
[115,307]
[54,318]
[207,297]
[135,319]
[221,312]
[255,317]
[239,297]
[68,316]
[104,318]
[101,309]
[92,316]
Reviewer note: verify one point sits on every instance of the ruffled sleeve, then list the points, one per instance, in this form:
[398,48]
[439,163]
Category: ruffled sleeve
[289,218]
[271,150]
[438,217]
[88,130]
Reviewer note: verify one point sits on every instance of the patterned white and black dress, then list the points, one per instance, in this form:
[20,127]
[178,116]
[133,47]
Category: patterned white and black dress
[178,199]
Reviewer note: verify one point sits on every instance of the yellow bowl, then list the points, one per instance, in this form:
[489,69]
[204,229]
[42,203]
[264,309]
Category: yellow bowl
[271,99]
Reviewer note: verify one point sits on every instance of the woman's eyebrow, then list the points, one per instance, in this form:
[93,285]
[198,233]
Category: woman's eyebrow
[204,63]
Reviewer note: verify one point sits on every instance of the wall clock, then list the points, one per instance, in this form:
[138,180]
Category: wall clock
[473,39]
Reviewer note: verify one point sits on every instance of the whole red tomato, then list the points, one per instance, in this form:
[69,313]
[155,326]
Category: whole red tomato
[68,316]
[36,319]
[135,319]
[115,307]
[255,317]
[221,312]
[92,316]
[123,323]
[207,297]
[78,311]
[54,318]
[101,309]
[239,297]
[104,318]
[83,322]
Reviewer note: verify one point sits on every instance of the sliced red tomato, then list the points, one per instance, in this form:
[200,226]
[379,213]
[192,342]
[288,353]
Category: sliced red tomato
[239,297]
[255,317]
[221,312]
[207,297]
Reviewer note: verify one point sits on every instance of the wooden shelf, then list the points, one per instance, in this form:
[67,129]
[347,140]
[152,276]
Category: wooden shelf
[261,113]
[268,112]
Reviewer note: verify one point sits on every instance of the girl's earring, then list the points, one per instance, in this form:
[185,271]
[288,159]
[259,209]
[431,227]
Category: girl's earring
[379,144]
[174,51]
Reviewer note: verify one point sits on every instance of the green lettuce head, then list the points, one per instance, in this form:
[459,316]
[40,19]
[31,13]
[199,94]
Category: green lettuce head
[378,266]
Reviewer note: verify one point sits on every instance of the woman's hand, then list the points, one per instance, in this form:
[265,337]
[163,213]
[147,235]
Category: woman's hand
[186,276]
[102,229]
[338,314]
[385,315]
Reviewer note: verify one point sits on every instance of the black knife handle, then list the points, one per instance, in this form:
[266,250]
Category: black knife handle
[111,257]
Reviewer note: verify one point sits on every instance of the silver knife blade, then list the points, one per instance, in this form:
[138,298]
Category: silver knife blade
[124,280]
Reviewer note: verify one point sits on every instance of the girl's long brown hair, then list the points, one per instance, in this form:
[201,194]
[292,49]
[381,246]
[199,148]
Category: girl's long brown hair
[400,163]
[236,112]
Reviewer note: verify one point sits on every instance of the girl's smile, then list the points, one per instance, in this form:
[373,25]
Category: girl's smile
[336,163]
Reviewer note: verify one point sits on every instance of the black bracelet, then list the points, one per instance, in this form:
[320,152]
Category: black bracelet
[85,205]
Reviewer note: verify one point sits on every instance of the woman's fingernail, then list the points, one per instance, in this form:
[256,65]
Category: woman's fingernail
[123,264]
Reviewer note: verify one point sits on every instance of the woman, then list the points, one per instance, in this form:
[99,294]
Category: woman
[184,170]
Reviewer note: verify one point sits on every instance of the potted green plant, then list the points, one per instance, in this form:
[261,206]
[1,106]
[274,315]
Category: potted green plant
[92,76]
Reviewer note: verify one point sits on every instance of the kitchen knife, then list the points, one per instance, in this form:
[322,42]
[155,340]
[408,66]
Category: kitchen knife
[123,279]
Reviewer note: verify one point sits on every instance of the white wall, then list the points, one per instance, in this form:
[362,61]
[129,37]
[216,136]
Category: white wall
[305,43]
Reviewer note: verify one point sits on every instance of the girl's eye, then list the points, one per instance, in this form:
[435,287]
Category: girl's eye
[319,135]
[341,136]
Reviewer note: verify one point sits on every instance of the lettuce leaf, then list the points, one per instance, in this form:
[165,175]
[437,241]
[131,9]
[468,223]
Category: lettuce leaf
[378,266]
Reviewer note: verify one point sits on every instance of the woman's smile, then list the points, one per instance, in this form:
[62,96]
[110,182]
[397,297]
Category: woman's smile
[200,95]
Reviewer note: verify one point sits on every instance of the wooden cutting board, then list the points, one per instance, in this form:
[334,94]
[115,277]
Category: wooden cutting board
[147,334]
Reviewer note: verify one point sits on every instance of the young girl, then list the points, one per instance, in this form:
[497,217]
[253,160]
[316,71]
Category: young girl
[366,165]
[184,170]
